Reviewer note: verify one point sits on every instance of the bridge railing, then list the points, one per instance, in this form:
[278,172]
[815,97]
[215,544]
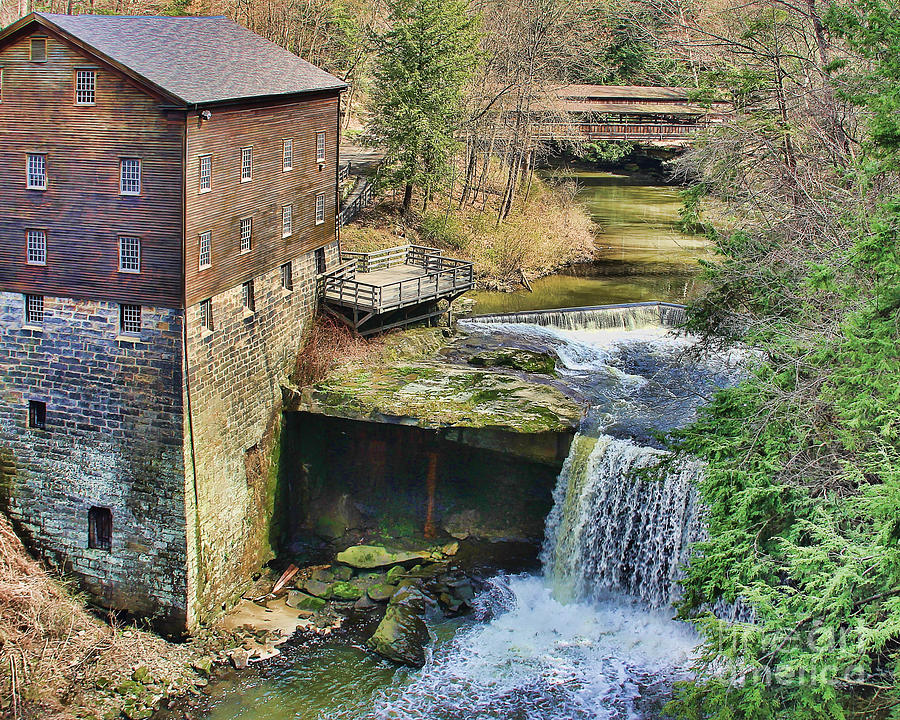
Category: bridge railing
[620,130]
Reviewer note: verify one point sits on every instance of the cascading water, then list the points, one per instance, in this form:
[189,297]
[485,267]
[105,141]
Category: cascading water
[593,637]
[609,530]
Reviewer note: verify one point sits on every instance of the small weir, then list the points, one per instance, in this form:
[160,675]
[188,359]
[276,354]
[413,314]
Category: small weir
[627,316]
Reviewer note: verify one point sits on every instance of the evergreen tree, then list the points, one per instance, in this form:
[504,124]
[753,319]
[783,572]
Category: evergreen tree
[424,63]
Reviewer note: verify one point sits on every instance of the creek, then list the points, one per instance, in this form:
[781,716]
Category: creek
[589,630]
[641,253]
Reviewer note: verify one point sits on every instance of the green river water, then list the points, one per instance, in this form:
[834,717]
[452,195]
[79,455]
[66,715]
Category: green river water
[642,256]
[641,253]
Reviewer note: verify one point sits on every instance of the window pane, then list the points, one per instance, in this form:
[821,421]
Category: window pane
[248,296]
[37,172]
[205,172]
[320,208]
[129,254]
[287,226]
[246,163]
[246,234]
[37,414]
[320,147]
[130,319]
[288,155]
[205,250]
[39,49]
[85,84]
[287,276]
[206,318]
[130,176]
[100,528]
[37,247]
[34,309]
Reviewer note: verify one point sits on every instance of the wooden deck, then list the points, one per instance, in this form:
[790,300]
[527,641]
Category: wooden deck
[376,291]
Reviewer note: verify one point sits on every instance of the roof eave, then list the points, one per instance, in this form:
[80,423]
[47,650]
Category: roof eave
[194,105]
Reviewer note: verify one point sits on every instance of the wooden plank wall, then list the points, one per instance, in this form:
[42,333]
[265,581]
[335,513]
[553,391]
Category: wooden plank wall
[220,210]
[81,210]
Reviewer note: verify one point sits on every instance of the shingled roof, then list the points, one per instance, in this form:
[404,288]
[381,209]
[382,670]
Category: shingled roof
[197,60]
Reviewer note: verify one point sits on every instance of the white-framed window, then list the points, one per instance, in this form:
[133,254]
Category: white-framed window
[320,146]
[206,316]
[320,208]
[1,84]
[287,221]
[34,309]
[130,176]
[129,319]
[205,173]
[248,297]
[205,250]
[36,244]
[287,276]
[36,172]
[85,87]
[246,234]
[38,49]
[129,254]
[287,155]
[246,164]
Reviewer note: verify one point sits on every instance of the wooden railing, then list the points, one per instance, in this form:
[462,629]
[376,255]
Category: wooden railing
[443,276]
[362,200]
[343,172]
[620,131]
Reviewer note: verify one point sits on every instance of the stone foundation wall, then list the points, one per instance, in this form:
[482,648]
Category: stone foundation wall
[113,439]
[233,395]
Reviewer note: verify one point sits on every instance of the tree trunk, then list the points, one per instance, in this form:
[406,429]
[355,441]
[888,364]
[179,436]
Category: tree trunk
[407,198]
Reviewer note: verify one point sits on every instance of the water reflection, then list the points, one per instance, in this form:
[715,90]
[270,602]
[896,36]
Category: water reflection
[641,256]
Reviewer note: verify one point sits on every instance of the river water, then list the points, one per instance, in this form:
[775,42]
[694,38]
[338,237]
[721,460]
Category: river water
[591,635]
[641,254]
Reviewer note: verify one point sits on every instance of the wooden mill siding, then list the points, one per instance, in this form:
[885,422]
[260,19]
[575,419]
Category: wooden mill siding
[81,210]
[220,210]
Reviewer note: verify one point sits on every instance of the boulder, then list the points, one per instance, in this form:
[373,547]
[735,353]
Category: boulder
[374,556]
[394,574]
[364,603]
[317,588]
[342,572]
[401,636]
[302,601]
[202,666]
[239,658]
[381,592]
[325,576]
[517,359]
[342,590]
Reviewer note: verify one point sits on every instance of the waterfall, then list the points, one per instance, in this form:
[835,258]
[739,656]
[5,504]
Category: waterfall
[600,317]
[612,531]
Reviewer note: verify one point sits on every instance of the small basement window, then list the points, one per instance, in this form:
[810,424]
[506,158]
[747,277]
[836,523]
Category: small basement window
[37,414]
[34,309]
[130,319]
[287,276]
[206,316]
[248,296]
[100,528]
[38,49]
[320,260]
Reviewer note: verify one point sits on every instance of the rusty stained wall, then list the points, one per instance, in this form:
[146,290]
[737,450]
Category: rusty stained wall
[234,376]
[81,210]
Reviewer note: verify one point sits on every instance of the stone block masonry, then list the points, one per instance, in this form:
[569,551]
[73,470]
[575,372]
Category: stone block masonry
[233,396]
[112,439]
[170,433]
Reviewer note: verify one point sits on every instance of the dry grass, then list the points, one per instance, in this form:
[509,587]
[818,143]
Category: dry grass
[328,343]
[543,233]
[56,659]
